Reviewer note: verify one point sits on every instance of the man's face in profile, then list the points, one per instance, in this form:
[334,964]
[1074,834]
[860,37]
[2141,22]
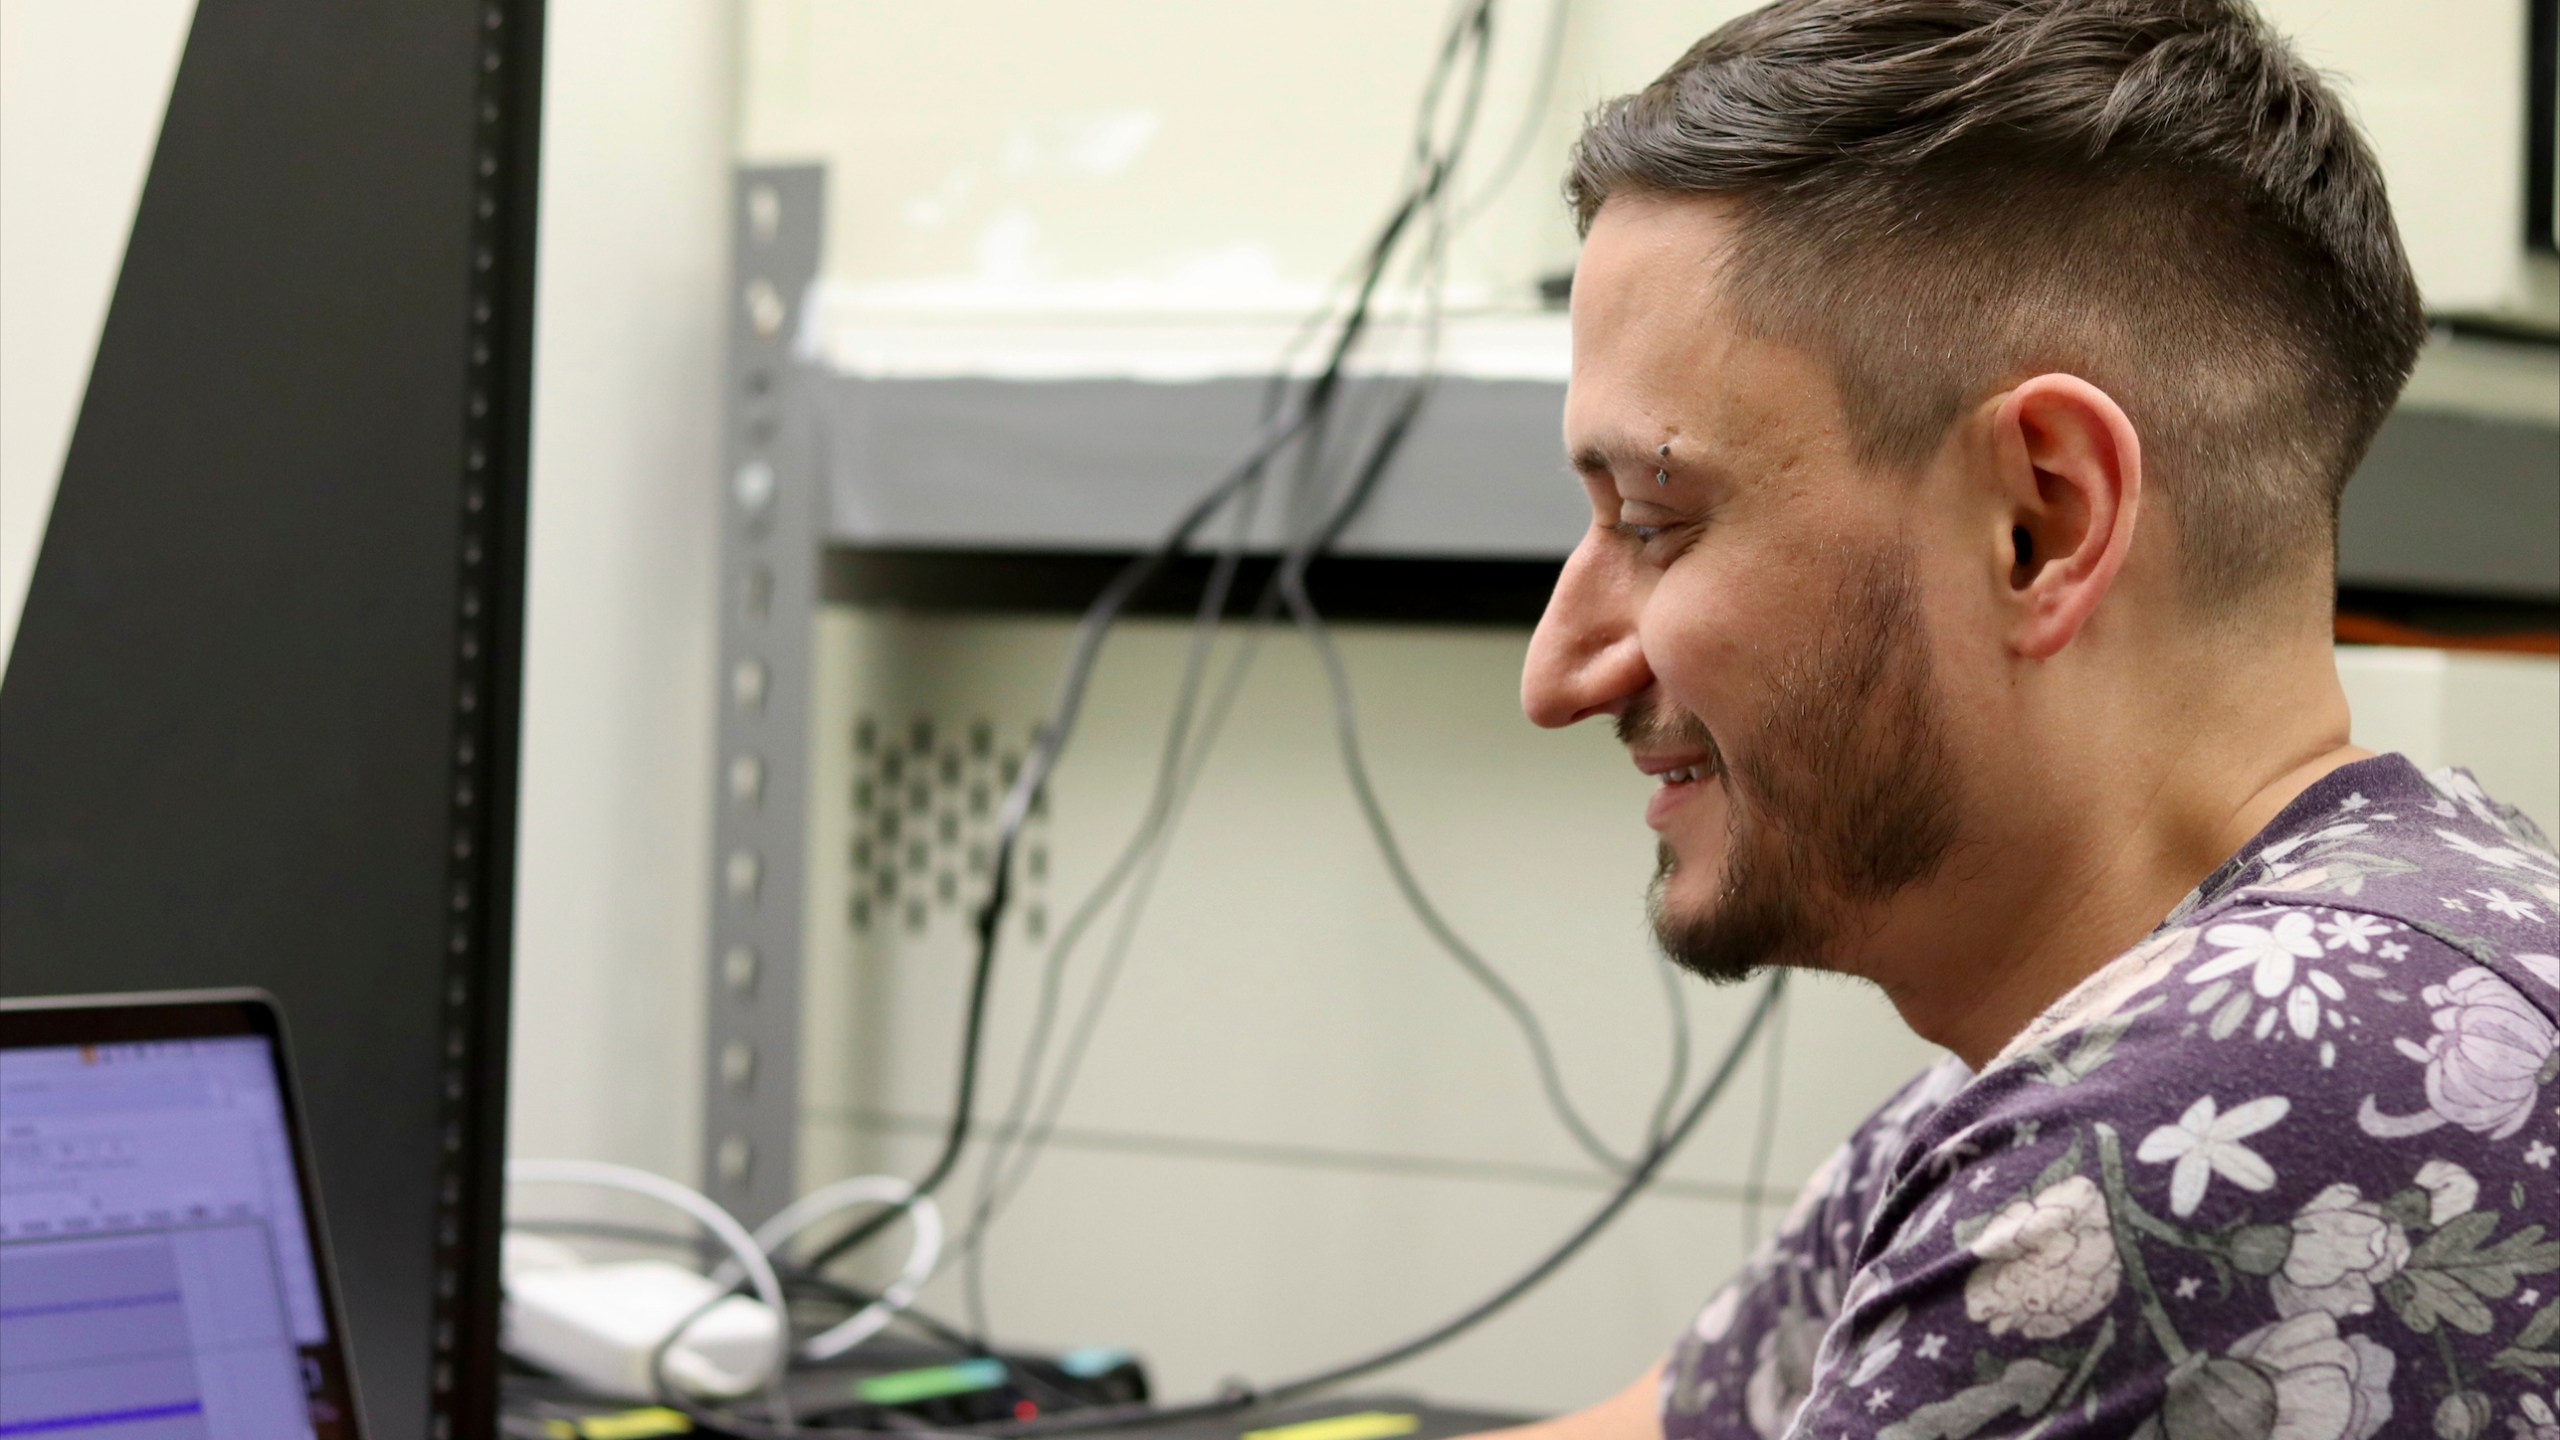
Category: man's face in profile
[1746,608]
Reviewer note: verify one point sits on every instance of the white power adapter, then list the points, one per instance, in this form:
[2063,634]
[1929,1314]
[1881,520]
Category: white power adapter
[599,1324]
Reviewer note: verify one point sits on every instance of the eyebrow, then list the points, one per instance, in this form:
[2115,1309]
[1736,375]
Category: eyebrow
[1592,460]
[1604,459]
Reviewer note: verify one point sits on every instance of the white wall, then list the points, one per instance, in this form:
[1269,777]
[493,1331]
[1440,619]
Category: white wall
[610,890]
[1016,154]
[636,157]
[2497,716]
[82,89]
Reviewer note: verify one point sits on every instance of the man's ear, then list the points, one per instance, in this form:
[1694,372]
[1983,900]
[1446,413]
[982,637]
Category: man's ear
[2069,470]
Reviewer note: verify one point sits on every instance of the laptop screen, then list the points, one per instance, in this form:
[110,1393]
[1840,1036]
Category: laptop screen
[157,1267]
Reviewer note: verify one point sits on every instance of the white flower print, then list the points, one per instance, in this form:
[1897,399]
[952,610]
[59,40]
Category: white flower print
[2294,1380]
[1782,1372]
[2343,1246]
[1882,1349]
[2502,903]
[2540,1420]
[2348,930]
[2545,968]
[2269,955]
[2266,952]
[2501,856]
[2205,1143]
[1717,1318]
[2328,1387]
[2047,1264]
[2485,1060]
[2450,1190]
[2459,785]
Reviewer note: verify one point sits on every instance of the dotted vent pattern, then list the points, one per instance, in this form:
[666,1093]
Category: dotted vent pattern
[924,799]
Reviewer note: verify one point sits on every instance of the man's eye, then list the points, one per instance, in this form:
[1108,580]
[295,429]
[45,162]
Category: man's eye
[1629,530]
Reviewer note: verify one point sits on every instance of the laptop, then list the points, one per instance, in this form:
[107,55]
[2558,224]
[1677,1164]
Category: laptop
[162,1269]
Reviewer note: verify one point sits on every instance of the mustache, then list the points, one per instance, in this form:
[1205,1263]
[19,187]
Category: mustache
[1652,725]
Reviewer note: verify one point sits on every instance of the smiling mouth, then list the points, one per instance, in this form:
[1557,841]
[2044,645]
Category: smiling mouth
[1686,775]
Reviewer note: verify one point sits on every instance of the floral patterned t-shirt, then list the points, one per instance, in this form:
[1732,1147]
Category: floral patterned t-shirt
[2285,1171]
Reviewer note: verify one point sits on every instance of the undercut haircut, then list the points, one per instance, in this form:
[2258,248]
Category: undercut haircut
[1943,197]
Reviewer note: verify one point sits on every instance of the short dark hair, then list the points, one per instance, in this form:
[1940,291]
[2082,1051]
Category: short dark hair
[1938,196]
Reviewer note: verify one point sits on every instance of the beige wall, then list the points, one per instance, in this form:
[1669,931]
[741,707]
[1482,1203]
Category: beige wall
[1236,1188]
[1016,155]
[611,909]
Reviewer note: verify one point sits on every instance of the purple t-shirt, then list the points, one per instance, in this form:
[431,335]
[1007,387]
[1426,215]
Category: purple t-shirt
[2284,1171]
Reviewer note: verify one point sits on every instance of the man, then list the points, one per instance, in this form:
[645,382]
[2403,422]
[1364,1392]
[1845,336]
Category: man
[1964,389]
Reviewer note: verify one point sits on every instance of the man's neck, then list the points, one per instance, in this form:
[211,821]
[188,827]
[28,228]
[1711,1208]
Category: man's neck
[2016,923]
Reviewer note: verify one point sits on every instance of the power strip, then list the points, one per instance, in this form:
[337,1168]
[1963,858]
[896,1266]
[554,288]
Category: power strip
[598,1325]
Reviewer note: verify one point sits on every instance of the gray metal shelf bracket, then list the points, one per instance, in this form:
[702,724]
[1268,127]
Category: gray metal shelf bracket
[770,539]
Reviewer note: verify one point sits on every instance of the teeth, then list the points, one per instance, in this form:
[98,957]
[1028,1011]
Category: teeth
[1680,777]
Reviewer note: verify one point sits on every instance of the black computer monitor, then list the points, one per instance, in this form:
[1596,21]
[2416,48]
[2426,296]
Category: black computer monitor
[164,1268]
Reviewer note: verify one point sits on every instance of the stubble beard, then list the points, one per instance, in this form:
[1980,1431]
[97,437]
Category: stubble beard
[1845,797]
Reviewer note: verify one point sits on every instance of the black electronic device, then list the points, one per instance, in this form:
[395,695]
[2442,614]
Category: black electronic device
[888,1384]
[2542,126]
[260,718]
[163,1265]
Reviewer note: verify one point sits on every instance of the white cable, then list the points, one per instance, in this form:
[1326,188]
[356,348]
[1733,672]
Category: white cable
[828,1200]
[724,1226]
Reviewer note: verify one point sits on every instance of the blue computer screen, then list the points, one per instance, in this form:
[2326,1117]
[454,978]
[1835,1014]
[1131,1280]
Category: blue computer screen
[156,1274]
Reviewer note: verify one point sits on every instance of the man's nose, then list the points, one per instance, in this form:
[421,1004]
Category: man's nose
[1584,659]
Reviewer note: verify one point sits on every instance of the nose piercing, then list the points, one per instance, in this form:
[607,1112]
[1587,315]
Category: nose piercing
[1662,477]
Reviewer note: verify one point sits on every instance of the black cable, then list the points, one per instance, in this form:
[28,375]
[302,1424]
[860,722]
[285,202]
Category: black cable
[1151,833]
[1475,25]
[1034,1137]
[1243,1396]
[1523,140]
[1299,1387]
[1027,787]
[1098,618]
[1635,1181]
[1213,601]
[1433,171]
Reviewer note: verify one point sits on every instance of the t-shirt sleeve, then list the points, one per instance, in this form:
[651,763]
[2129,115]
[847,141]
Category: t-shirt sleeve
[2225,1210]
[1743,1367]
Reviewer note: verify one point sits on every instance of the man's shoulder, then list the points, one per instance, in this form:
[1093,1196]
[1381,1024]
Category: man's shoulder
[2307,1126]
[2433,853]
[2347,1020]
[2300,1143]
[2324,957]
[2254,1168]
